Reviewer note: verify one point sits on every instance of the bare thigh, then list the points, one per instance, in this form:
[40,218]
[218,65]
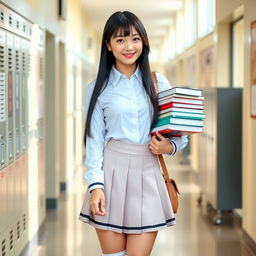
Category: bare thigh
[110,241]
[141,244]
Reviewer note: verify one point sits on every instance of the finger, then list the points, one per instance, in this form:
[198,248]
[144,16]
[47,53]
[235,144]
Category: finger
[96,211]
[154,140]
[151,146]
[99,213]
[153,149]
[160,136]
[95,206]
[102,206]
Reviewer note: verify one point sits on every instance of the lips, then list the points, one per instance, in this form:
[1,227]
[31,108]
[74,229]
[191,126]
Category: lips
[129,55]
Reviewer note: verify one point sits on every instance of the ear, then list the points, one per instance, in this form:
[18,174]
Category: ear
[108,45]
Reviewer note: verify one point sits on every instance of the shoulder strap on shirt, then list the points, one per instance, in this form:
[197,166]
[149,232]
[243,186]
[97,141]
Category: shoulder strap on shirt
[160,157]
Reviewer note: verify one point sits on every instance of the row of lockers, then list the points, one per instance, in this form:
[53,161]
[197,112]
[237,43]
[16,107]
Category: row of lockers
[21,130]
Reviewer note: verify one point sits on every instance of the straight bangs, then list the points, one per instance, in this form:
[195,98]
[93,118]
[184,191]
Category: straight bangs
[122,30]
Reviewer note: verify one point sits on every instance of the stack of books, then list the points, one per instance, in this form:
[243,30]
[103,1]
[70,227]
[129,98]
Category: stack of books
[181,112]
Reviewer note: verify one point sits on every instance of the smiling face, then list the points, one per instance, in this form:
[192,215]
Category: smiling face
[126,49]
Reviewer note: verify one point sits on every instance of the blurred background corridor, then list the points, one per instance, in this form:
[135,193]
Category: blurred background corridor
[49,52]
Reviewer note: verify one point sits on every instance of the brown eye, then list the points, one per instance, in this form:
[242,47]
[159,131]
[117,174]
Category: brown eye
[120,40]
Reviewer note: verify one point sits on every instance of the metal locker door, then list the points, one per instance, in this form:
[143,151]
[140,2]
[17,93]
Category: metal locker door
[24,132]
[3,148]
[10,135]
[3,100]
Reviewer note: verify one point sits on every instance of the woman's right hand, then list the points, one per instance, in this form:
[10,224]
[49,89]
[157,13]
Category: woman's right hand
[97,202]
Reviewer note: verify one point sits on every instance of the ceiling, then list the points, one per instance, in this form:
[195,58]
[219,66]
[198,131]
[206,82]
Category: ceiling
[156,15]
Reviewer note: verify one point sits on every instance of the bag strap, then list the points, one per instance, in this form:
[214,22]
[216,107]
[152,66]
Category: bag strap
[160,157]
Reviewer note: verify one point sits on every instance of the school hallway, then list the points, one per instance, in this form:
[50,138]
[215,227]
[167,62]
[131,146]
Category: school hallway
[50,53]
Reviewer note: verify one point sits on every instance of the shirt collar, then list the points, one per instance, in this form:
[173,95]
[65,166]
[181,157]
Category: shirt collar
[115,76]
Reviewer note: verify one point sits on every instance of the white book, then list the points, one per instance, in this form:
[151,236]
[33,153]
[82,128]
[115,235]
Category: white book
[182,121]
[197,111]
[180,90]
[180,100]
[185,115]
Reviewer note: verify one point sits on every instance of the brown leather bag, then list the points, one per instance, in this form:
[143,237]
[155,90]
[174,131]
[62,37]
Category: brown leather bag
[171,186]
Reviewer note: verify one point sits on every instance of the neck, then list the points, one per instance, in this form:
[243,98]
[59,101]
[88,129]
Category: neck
[127,70]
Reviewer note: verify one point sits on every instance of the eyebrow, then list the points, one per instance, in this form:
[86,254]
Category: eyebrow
[124,36]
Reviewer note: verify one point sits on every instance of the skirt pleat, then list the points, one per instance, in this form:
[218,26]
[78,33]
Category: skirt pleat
[136,197]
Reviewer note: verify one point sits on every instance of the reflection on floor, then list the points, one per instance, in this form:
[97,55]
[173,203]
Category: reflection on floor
[194,235]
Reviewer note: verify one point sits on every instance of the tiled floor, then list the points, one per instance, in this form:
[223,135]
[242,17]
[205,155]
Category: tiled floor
[194,235]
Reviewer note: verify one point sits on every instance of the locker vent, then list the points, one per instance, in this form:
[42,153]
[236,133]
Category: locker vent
[2,62]
[11,240]
[29,62]
[18,230]
[17,58]
[2,16]
[24,28]
[9,58]
[24,222]
[10,20]
[23,61]
[3,247]
[41,68]
[18,24]
[2,97]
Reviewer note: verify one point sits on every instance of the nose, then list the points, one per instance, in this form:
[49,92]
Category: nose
[129,46]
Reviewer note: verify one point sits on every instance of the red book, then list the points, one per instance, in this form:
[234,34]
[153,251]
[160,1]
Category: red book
[172,133]
[180,105]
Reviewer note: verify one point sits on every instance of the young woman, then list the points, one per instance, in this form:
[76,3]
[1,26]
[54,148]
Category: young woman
[126,200]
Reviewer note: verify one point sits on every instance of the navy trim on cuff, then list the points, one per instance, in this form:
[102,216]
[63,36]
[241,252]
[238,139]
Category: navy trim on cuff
[96,183]
[175,148]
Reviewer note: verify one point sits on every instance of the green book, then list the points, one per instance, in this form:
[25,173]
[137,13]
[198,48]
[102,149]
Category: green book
[179,121]
[182,115]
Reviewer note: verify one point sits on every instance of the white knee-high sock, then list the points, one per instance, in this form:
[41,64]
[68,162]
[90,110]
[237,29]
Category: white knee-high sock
[115,254]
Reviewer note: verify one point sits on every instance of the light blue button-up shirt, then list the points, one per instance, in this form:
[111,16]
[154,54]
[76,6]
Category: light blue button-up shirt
[123,112]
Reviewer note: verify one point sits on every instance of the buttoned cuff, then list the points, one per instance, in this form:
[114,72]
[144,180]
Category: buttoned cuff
[95,185]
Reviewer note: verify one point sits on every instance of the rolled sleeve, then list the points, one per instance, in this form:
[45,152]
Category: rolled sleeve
[95,146]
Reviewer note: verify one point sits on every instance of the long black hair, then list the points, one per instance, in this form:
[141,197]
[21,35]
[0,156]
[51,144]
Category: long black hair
[121,21]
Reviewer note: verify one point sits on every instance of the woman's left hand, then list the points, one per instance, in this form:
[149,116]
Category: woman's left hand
[160,145]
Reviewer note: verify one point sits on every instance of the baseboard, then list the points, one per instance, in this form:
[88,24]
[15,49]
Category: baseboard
[249,243]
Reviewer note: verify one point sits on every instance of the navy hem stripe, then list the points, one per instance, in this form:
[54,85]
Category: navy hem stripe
[96,183]
[123,227]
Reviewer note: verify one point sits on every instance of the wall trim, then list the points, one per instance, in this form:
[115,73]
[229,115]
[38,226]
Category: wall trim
[249,242]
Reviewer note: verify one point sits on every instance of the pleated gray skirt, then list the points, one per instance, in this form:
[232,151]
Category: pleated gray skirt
[136,197]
